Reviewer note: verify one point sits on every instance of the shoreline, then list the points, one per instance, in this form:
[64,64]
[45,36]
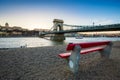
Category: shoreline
[42,46]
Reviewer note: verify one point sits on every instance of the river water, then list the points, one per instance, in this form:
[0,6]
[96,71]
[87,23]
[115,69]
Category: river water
[39,42]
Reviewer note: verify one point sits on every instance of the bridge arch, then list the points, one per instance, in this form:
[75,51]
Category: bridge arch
[58,26]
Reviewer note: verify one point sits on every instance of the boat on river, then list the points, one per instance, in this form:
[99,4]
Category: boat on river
[79,37]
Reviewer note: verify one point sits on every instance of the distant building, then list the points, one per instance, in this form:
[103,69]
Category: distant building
[16,28]
[36,29]
[6,25]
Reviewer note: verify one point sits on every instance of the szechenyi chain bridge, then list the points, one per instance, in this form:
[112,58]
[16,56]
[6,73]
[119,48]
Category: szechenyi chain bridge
[57,31]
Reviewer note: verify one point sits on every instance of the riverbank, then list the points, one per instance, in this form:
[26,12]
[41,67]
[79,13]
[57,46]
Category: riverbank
[43,63]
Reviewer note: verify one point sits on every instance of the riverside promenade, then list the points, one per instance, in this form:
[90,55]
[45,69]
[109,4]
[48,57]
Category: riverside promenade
[43,63]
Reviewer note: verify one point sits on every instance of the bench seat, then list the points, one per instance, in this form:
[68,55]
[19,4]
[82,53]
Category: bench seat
[84,51]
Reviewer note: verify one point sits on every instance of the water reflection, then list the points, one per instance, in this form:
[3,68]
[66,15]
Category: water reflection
[58,43]
[39,42]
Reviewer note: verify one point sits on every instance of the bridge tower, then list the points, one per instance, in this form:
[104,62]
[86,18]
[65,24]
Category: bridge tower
[58,26]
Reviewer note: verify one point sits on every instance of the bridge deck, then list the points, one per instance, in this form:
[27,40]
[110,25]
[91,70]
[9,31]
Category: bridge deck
[87,29]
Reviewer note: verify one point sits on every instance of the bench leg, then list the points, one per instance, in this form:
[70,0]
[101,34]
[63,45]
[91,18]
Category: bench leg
[67,59]
[74,59]
[105,53]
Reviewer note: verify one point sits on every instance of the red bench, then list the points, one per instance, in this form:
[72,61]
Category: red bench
[104,47]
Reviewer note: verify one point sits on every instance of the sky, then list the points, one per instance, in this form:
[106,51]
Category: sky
[32,14]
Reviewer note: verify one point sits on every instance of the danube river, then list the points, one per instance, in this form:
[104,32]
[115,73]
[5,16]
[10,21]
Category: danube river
[39,42]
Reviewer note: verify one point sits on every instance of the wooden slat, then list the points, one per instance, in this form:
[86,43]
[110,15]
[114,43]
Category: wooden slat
[86,45]
[66,55]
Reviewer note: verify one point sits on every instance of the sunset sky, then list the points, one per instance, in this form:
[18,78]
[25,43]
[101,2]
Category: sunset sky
[32,14]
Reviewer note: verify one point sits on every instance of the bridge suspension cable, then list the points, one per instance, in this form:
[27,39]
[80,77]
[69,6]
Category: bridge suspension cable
[73,25]
[51,28]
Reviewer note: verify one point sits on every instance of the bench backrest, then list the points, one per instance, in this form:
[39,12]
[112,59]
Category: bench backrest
[71,46]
